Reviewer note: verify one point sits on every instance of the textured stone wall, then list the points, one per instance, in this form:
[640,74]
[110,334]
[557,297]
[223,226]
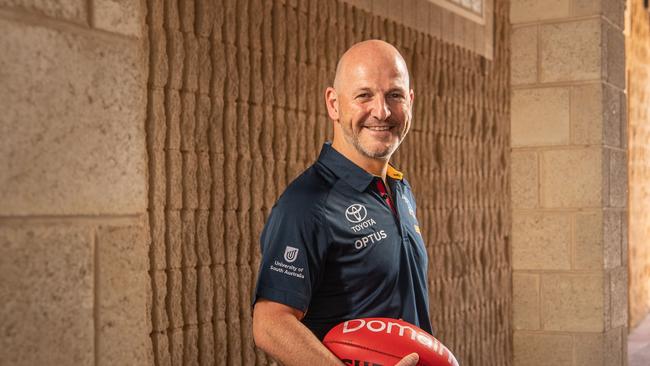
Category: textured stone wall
[74,288]
[638,66]
[235,111]
[449,21]
[569,183]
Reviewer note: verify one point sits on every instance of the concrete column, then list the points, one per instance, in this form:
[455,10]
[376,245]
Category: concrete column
[73,184]
[569,182]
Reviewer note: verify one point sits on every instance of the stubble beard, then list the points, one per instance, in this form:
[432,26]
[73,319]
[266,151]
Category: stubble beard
[352,138]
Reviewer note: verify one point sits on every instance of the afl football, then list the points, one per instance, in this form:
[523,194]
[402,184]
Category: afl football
[384,342]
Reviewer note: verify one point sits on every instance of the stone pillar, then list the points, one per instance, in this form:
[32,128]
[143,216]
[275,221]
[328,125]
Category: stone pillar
[569,182]
[73,184]
[638,71]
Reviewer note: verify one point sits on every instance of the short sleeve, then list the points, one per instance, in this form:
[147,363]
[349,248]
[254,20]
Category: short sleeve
[293,245]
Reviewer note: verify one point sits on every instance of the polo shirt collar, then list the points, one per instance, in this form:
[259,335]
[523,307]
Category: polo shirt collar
[345,169]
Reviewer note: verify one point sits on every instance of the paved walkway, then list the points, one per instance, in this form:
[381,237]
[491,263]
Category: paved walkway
[638,344]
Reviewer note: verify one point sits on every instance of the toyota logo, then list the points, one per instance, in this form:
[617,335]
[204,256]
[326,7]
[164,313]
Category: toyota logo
[356,213]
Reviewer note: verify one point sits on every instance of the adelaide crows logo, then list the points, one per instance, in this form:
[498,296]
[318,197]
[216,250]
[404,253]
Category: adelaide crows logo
[356,213]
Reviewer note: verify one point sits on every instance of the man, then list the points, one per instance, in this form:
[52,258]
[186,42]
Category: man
[343,242]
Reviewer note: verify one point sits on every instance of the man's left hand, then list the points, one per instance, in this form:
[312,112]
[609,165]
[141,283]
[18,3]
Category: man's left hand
[409,360]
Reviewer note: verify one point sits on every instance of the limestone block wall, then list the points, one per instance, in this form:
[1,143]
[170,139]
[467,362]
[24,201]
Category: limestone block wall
[569,183]
[74,287]
[638,83]
[235,111]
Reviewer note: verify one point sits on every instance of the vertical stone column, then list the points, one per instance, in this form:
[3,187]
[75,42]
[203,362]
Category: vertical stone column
[638,71]
[73,184]
[569,182]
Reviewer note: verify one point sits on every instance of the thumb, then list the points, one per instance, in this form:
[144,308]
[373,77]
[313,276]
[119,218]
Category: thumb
[410,360]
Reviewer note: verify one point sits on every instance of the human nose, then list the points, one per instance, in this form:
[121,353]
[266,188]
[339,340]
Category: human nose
[380,109]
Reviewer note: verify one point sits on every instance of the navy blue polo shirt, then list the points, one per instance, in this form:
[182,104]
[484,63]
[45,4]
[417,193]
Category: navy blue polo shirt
[334,249]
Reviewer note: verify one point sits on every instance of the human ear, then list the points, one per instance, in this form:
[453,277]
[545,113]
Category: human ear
[332,103]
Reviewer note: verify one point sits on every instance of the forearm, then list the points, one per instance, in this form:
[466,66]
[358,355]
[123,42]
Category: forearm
[289,341]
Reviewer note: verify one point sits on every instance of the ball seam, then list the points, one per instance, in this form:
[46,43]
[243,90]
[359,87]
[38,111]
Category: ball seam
[365,347]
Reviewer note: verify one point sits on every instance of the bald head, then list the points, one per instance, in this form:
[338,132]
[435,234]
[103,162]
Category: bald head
[373,55]
[370,104]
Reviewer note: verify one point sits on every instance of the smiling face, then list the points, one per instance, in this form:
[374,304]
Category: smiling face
[371,102]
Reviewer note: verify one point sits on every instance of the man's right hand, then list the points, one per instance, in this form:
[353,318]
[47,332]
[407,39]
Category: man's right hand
[278,331]
[409,360]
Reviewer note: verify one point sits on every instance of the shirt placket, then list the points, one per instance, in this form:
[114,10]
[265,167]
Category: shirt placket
[383,193]
[381,188]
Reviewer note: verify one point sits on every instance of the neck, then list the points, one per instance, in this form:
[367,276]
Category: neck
[377,167]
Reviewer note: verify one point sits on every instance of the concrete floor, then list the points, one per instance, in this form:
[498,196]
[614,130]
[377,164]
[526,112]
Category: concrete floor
[638,344]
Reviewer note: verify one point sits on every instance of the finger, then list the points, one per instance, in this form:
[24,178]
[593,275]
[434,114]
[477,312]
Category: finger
[409,360]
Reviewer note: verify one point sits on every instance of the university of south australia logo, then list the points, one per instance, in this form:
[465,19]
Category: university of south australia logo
[290,254]
[356,213]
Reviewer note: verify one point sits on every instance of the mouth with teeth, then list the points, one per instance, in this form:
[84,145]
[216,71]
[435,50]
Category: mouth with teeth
[374,141]
[378,128]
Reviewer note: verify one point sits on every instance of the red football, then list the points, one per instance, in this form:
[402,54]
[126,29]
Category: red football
[383,342]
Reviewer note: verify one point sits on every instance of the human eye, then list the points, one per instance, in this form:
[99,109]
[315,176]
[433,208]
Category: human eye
[363,95]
